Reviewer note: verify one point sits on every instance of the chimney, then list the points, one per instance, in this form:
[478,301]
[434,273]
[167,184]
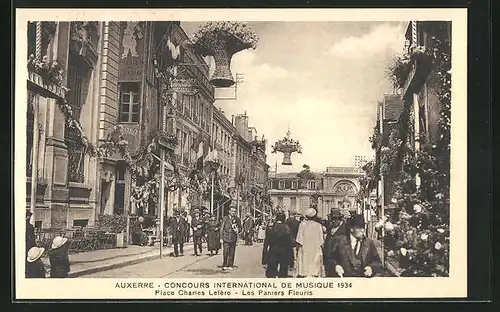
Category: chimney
[232,120]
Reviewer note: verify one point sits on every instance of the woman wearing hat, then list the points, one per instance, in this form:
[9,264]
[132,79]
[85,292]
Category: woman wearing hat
[310,241]
[58,256]
[354,255]
[213,235]
[34,265]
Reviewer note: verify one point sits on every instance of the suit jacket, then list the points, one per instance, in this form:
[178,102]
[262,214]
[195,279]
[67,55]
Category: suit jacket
[178,228]
[227,232]
[278,245]
[248,224]
[341,253]
[293,224]
[197,224]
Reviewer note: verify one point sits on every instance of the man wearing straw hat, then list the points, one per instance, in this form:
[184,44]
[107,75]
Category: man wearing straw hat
[58,256]
[34,265]
[310,241]
[355,255]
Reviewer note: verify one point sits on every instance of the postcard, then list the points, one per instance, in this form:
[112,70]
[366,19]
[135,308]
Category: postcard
[240,154]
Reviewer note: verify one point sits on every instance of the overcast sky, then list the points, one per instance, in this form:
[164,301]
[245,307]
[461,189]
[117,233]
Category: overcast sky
[323,79]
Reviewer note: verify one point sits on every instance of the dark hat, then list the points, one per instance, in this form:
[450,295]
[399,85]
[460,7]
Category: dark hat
[335,213]
[358,221]
[281,217]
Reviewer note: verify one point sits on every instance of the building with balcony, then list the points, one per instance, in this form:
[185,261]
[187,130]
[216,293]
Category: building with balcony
[110,69]
[67,191]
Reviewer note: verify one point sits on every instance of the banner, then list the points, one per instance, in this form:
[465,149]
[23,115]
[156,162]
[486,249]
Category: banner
[131,55]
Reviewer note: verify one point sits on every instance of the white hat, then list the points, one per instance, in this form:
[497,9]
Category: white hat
[311,212]
[58,241]
[34,253]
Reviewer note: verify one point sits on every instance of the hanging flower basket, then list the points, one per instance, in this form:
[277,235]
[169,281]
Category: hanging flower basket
[287,146]
[222,40]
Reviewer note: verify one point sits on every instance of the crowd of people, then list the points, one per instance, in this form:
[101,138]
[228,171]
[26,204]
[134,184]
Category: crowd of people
[336,248]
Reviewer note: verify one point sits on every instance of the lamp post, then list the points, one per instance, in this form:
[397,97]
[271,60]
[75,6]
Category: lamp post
[213,164]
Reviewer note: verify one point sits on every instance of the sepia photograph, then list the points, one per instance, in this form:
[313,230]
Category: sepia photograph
[218,157]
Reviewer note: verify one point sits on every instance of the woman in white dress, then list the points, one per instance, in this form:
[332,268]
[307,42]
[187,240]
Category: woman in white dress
[310,242]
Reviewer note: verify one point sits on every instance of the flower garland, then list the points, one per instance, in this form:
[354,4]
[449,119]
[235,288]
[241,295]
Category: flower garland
[51,72]
[418,237]
[402,64]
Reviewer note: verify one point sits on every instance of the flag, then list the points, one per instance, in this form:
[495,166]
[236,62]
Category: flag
[197,142]
[203,150]
[174,50]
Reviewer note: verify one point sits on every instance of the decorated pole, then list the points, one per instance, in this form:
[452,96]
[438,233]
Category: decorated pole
[382,189]
[34,167]
[238,200]
[36,133]
[162,199]
[212,194]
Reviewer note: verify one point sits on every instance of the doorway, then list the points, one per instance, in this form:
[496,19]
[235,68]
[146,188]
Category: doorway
[105,196]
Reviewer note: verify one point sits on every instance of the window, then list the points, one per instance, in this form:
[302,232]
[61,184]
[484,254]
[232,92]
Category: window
[293,203]
[312,185]
[282,185]
[81,222]
[129,102]
[294,185]
[38,225]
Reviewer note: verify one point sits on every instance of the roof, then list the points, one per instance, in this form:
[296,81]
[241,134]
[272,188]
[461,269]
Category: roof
[293,175]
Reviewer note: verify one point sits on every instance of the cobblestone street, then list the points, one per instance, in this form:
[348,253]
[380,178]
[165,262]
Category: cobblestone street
[247,262]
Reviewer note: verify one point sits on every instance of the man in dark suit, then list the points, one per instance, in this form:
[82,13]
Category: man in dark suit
[178,228]
[248,228]
[354,255]
[230,228]
[293,223]
[336,229]
[197,225]
[277,253]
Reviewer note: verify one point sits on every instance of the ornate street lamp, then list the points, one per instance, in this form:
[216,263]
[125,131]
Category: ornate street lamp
[287,146]
[222,40]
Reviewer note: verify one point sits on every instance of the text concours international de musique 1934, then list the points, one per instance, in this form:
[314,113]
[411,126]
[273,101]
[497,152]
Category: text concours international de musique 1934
[239,289]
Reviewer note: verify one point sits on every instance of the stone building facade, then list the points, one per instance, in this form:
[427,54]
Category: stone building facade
[110,74]
[336,187]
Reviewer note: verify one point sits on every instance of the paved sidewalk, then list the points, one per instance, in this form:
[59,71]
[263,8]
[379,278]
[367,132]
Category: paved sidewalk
[389,264]
[101,260]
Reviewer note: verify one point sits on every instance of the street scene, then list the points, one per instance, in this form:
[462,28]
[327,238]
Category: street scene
[227,149]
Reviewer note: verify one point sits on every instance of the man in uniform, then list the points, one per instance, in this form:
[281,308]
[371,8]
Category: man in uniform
[230,228]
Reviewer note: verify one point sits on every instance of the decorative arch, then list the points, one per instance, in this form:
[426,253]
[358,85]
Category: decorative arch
[345,188]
